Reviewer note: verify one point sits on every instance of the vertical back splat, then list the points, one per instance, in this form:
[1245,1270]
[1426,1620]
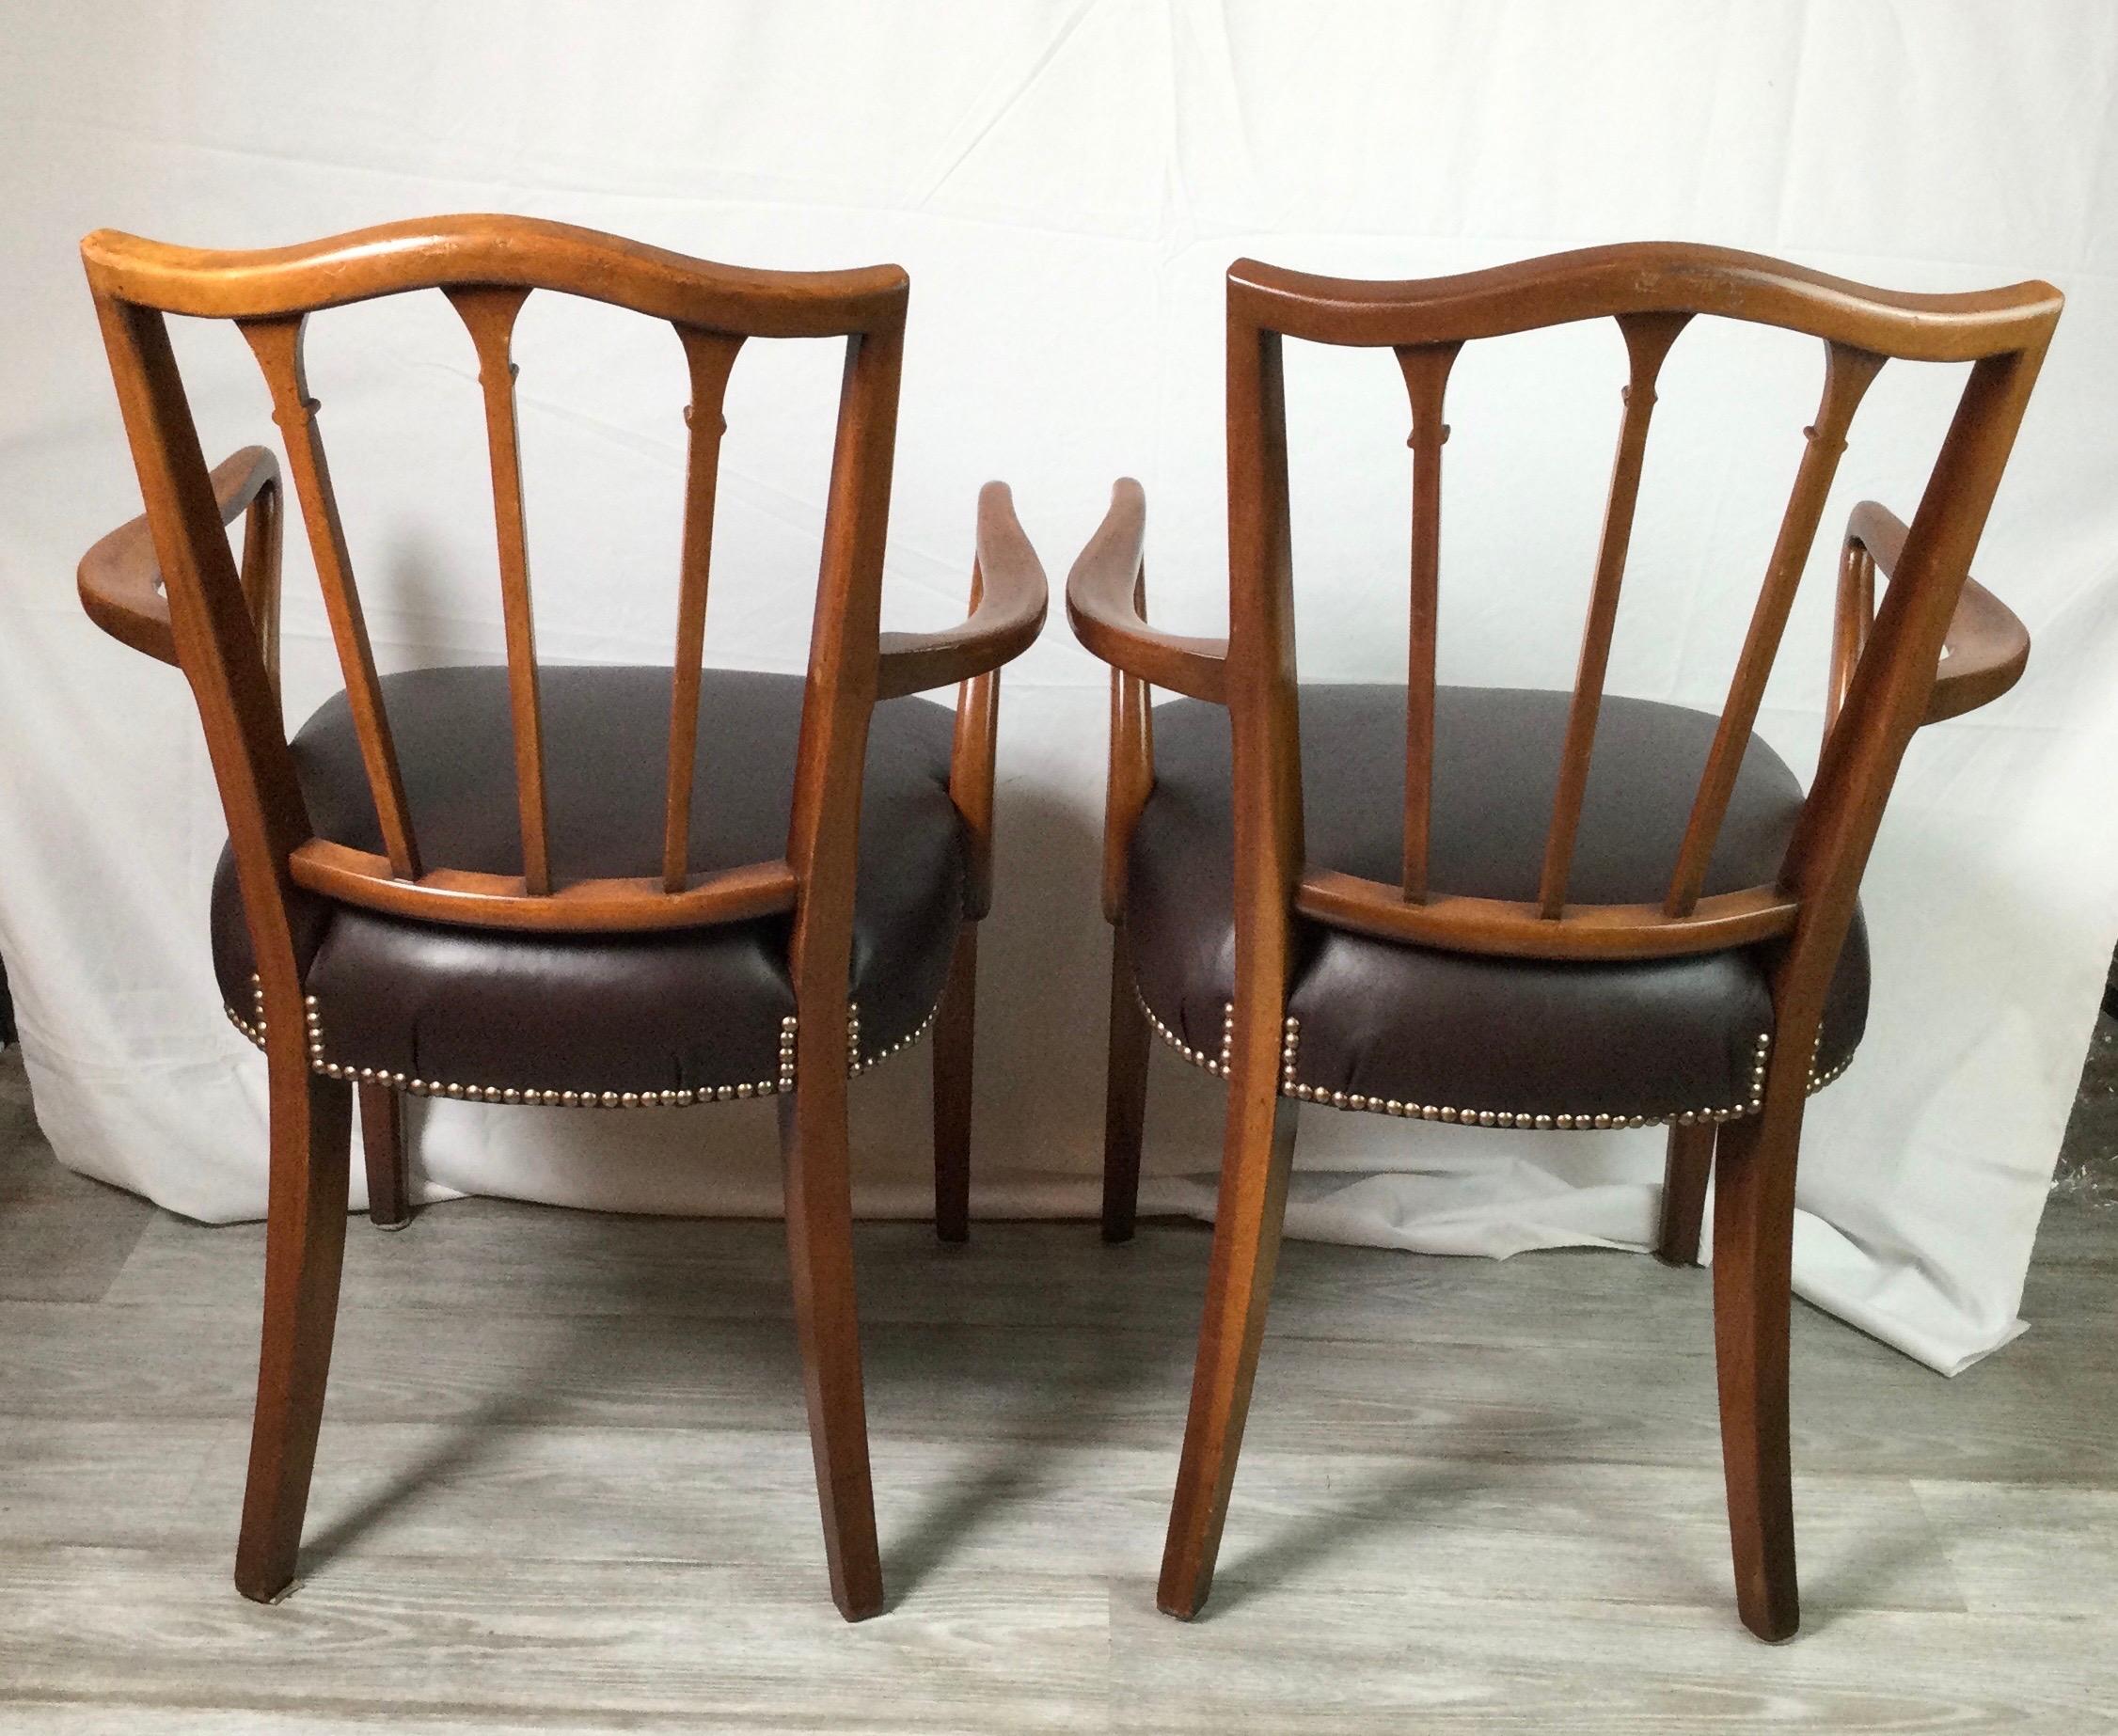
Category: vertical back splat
[489,313]
[1847,374]
[1426,370]
[1648,337]
[277,345]
[711,356]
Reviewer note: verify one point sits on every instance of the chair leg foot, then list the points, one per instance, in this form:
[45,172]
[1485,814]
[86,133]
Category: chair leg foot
[1753,1259]
[305,1244]
[1125,1096]
[1684,1174]
[954,1030]
[1246,1242]
[382,1144]
[812,1145]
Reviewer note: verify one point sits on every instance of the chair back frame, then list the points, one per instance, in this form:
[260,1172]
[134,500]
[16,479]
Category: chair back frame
[487,266]
[1651,291]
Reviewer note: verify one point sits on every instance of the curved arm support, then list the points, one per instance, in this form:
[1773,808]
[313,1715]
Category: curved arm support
[1101,602]
[1131,776]
[1009,597]
[1107,602]
[121,586]
[1987,645]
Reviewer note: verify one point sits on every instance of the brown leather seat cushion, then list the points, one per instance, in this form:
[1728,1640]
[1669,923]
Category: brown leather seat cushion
[1388,1024]
[684,1011]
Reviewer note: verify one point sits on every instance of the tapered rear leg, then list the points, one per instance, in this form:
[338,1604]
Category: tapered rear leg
[381,1143]
[954,1030]
[1753,1269]
[1258,1156]
[812,1146]
[1125,1096]
[1685,1175]
[311,1119]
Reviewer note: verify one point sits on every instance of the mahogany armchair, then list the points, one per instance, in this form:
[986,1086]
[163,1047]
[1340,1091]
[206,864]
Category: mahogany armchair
[591,887]
[1526,909]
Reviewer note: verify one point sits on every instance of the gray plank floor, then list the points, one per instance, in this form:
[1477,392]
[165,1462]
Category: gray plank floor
[564,1486]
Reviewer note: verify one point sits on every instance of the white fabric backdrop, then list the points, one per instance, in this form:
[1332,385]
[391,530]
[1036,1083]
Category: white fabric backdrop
[1066,183]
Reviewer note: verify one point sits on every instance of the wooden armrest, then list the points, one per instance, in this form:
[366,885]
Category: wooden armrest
[1986,647]
[121,584]
[1984,656]
[1100,602]
[1009,596]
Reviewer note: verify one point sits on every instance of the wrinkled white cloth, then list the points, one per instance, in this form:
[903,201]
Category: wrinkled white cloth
[1066,183]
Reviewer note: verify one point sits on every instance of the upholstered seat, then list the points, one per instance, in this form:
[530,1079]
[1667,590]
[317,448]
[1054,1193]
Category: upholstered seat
[669,1016]
[1450,1035]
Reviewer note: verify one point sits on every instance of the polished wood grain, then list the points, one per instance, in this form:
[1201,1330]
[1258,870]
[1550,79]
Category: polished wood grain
[1984,654]
[1687,1168]
[1753,1272]
[1847,374]
[1648,337]
[1936,647]
[489,313]
[1131,778]
[120,586]
[1124,1094]
[954,1055]
[305,1241]
[1258,1143]
[603,904]
[1521,929]
[1426,368]
[500,251]
[1103,604]
[822,834]
[1477,1494]
[167,584]
[1007,605]
[711,358]
[1642,277]
[1130,782]
[974,746]
[382,1144]
[279,346]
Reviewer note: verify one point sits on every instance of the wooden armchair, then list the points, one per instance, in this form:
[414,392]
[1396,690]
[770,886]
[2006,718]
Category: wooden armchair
[583,887]
[1439,904]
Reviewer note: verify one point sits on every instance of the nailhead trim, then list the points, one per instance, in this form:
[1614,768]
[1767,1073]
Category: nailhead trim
[783,1082]
[1197,1057]
[256,1032]
[1818,1080]
[855,1065]
[1291,1087]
